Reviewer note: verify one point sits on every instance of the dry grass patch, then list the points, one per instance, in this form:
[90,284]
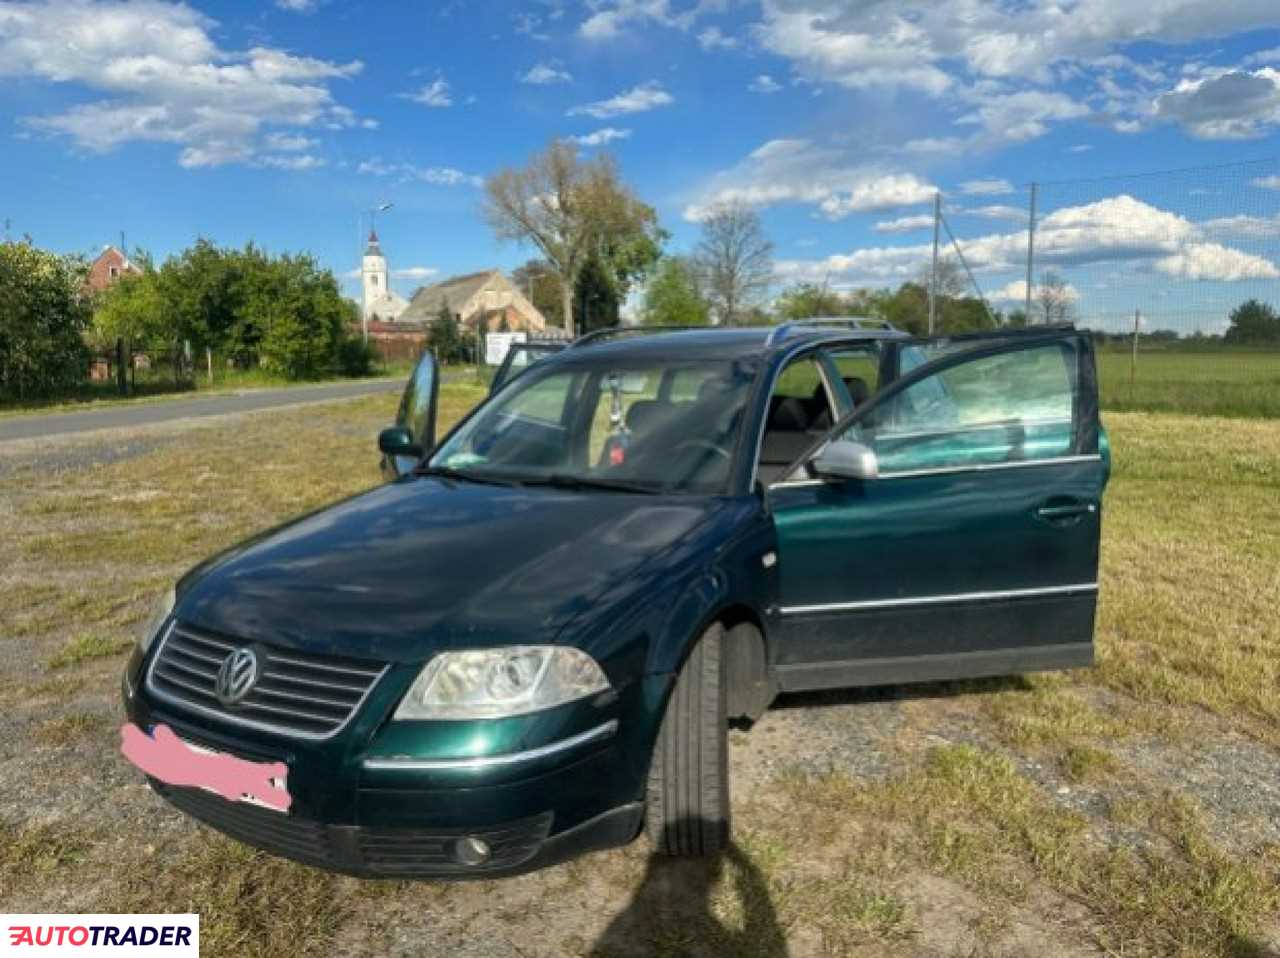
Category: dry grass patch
[86,646]
[249,903]
[68,729]
[27,851]
[970,815]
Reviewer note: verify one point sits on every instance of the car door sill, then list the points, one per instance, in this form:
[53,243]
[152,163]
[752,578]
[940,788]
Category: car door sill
[852,673]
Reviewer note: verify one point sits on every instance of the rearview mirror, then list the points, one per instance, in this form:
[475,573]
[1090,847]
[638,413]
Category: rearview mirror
[844,459]
[398,441]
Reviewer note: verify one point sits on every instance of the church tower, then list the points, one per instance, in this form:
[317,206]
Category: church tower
[374,276]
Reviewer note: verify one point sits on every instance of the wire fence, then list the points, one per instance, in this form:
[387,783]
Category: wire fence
[1177,272]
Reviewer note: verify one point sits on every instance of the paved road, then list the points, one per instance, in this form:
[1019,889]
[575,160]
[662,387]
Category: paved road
[143,414]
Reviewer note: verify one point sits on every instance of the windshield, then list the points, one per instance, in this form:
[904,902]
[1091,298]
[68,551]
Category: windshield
[657,427]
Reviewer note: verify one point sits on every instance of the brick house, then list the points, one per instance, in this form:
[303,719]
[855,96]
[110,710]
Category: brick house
[110,265]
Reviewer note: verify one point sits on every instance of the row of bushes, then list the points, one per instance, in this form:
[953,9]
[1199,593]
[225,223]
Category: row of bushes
[283,314]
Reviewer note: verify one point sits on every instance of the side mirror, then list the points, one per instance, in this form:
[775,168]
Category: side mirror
[398,441]
[844,459]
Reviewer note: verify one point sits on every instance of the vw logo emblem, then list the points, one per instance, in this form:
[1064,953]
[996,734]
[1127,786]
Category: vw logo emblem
[237,676]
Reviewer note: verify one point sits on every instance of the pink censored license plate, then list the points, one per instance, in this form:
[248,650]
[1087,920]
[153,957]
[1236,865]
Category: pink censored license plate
[164,756]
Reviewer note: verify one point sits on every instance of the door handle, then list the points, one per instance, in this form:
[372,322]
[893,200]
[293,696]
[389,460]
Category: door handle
[1065,510]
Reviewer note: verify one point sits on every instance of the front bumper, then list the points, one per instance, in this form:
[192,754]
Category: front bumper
[357,814]
[515,847]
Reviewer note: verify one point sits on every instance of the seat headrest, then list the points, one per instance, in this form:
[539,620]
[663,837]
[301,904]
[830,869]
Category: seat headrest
[859,392]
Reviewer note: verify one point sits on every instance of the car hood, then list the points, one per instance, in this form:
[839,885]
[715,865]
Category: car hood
[428,563]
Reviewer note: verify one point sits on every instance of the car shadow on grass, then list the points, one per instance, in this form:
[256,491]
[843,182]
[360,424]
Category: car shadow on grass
[695,907]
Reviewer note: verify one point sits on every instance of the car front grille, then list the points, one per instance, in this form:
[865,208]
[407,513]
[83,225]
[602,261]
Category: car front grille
[299,693]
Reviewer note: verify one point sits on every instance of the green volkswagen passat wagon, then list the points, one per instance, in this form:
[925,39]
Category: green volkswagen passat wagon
[529,643]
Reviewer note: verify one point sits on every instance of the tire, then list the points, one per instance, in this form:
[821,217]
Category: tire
[687,799]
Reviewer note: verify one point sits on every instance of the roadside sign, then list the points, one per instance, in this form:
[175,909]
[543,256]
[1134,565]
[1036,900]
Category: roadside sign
[497,344]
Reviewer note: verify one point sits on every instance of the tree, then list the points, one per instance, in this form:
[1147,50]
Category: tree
[43,313]
[1016,318]
[672,297]
[134,309]
[445,338]
[1253,322]
[808,301]
[536,280]
[1055,299]
[570,210]
[735,259]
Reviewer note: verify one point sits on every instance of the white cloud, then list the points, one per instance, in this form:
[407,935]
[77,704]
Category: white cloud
[1263,57]
[1232,106]
[601,137]
[544,74]
[1243,226]
[988,187]
[800,171]
[610,18]
[1016,292]
[410,272]
[1114,230]
[646,96]
[997,212]
[905,224]
[289,142]
[1212,261]
[408,173]
[433,94]
[713,38]
[1267,182]
[297,6]
[164,79]
[1017,117]
[764,84]
[297,164]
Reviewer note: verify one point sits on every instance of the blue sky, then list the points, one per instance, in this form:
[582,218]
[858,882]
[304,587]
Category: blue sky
[281,122]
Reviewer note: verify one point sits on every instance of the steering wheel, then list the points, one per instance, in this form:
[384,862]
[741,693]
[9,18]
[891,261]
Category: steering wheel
[705,444]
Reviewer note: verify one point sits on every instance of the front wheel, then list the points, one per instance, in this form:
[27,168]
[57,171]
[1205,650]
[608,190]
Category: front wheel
[687,800]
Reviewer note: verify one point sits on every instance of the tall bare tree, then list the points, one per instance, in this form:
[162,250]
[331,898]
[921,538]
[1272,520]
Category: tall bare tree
[735,259]
[1055,298]
[568,209]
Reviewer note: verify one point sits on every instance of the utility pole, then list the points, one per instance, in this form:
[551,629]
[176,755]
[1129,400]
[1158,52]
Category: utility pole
[1133,358]
[933,275]
[1031,247]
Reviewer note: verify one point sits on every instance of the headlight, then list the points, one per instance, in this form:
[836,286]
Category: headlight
[162,610]
[495,683]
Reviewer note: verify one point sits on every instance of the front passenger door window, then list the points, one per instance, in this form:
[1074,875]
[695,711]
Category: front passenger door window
[1013,406]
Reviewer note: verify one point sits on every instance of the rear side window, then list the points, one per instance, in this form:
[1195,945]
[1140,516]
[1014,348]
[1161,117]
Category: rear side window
[1008,407]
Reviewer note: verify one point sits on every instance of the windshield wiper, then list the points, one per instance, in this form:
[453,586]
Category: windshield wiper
[564,481]
[445,472]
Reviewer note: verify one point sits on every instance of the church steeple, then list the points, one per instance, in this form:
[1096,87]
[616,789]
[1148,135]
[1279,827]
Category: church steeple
[374,248]
[375,275]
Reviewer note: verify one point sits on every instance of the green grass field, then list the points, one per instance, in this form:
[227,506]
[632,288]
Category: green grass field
[1211,383]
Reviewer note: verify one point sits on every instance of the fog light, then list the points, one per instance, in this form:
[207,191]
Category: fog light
[471,850]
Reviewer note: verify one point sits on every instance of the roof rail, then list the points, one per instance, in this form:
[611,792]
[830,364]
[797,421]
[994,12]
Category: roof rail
[782,330]
[610,332]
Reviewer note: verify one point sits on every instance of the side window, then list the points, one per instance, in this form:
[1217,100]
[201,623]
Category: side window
[859,368]
[1008,407]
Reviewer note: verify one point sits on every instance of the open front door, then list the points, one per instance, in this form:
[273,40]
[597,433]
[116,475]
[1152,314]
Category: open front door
[974,551]
[417,415]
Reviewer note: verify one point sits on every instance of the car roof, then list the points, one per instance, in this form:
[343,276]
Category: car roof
[711,343]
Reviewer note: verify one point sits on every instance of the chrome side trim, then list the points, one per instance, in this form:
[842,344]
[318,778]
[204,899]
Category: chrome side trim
[953,470]
[405,763]
[939,599]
